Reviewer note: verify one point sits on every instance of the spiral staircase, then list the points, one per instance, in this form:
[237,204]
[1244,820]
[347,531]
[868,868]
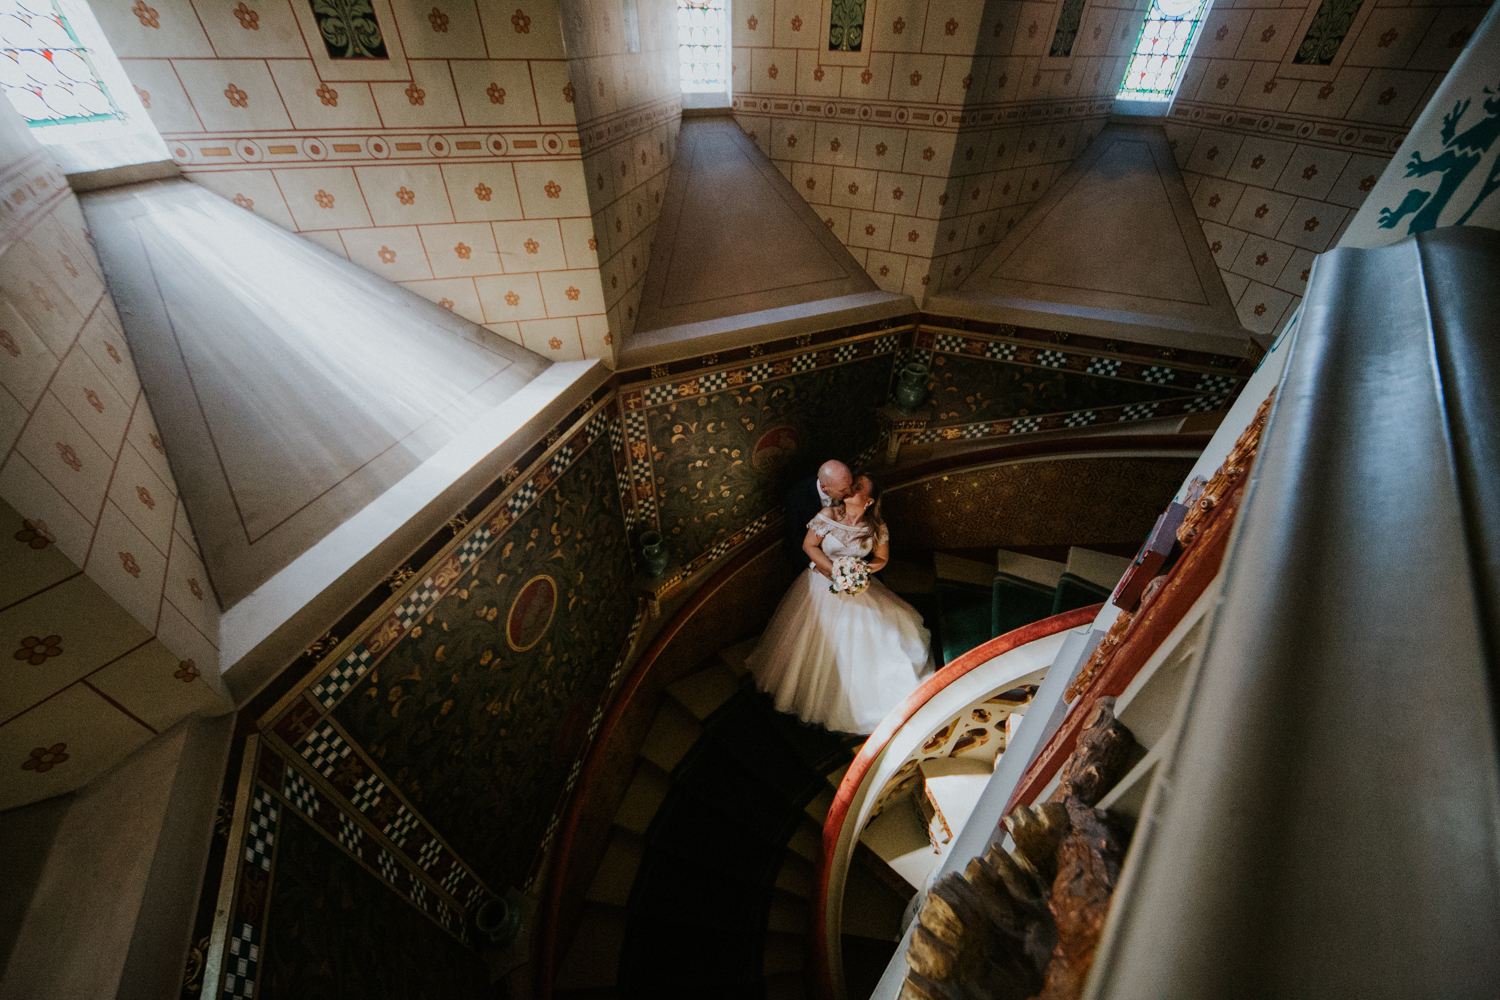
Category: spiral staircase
[712,857]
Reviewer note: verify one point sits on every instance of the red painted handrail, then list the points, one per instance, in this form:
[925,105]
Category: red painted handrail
[838,813]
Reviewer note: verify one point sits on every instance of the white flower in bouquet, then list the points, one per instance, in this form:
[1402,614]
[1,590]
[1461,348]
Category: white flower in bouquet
[851,575]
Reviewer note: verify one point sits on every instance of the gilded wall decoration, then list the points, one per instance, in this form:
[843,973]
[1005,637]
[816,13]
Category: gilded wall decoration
[1082,501]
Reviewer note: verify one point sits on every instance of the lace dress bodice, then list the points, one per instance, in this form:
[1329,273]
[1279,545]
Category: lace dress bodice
[844,539]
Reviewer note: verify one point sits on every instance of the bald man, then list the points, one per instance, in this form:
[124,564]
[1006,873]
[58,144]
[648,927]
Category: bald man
[828,488]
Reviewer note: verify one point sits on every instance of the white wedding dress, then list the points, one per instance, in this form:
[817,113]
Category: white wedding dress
[837,660]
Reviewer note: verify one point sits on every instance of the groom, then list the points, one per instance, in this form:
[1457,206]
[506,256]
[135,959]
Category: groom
[828,488]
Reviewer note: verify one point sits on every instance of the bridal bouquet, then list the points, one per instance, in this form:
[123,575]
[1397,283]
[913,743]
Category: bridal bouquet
[851,575]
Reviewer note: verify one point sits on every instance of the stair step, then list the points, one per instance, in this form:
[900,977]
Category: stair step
[807,841]
[698,900]
[617,870]
[593,960]
[784,953]
[1096,567]
[817,809]
[702,693]
[1042,571]
[819,749]
[740,799]
[672,954]
[956,568]
[643,798]
[908,577]
[797,876]
[734,656]
[673,733]
[604,994]
[789,914]
[964,608]
[743,729]
[871,908]
[835,778]
[1016,601]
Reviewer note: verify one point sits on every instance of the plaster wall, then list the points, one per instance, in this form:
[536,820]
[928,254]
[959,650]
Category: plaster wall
[453,165]
[106,876]
[925,148]
[628,102]
[107,618]
[1279,155]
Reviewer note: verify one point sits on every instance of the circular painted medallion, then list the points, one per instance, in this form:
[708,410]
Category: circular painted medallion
[531,613]
[774,448]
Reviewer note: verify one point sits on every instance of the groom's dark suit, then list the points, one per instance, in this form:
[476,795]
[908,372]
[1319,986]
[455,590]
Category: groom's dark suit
[802,505]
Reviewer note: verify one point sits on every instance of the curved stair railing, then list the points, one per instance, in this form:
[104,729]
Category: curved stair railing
[989,668]
[682,645]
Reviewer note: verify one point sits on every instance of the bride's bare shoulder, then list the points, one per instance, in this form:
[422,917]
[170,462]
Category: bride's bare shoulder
[827,512]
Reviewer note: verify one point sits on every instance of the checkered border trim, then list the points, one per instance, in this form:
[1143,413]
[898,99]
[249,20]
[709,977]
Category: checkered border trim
[1059,356]
[1138,411]
[330,814]
[343,677]
[260,836]
[401,825]
[243,962]
[299,792]
[323,748]
[367,792]
[1216,383]
[640,396]
[1076,418]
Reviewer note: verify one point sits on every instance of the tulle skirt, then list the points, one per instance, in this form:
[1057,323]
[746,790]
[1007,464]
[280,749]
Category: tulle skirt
[839,661]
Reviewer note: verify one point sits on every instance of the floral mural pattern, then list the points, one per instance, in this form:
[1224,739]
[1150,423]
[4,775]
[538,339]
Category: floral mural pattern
[479,734]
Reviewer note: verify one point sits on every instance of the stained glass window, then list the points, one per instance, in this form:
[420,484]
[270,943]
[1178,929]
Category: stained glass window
[48,74]
[702,45]
[1162,49]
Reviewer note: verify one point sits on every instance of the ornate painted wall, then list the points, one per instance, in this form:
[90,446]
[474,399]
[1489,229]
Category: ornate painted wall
[1068,501]
[108,624]
[715,441]
[434,745]
[992,379]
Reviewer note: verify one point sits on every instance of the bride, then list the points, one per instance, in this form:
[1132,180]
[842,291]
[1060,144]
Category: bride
[839,660]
